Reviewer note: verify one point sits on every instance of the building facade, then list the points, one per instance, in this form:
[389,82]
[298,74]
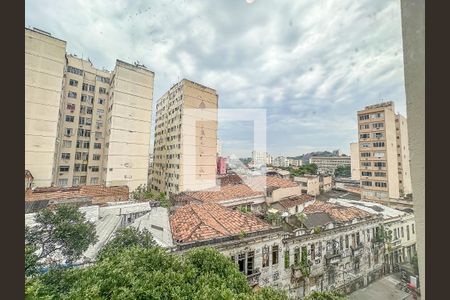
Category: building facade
[354,161]
[327,165]
[44,68]
[383,153]
[261,158]
[103,119]
[185,147]
[309,184]
[295,162]
[280,161]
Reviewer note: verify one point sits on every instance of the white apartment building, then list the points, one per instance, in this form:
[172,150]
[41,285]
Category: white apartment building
[383,153]
[100,121]
[261,158]
[295,162]
[280,161]
[327,165]
[185,139]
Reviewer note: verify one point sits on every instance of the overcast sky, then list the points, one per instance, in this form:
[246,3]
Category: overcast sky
[311,64]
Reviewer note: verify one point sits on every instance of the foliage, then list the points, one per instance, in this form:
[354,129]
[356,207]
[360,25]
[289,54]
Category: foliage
[64,231]
[273,218]
[304,266]
[243,209]
[326,295]
[310,169]
[317,229]
[150,273]
[343,171]
[142,193]
[301,217]
[125,238]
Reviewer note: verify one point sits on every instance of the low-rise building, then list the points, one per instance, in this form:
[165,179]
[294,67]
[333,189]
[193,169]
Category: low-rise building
[325,183]
[293,204]
[309,184]
[295,162]
[280,161]
[328,164]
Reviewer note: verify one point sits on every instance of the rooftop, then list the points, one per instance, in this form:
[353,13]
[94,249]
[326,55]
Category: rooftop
[194,222]
[295,200]
[338,213]
[225,192]
[370,207]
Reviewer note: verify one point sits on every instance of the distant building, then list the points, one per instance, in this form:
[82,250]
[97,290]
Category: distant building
[309,184]
[327,165]
[280,161]
[221,165]
[83,125]
[261,158]
[384,153]
[295,162]
[354,158]
[185,151]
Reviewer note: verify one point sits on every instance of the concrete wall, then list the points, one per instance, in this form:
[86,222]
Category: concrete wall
[44,66]
[354,159]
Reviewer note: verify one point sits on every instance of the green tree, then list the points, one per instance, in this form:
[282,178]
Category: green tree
[125,238]
[308,169]
[343,171]
[142,193]
[150,273]
[64,230]
[415,264]
[327,295]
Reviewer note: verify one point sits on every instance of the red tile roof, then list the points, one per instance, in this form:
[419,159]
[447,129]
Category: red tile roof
[293,201]
[271,182]
[338,213]
[197,222]
[226,192]
[113,193]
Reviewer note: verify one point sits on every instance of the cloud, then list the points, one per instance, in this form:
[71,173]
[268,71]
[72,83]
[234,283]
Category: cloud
[311,64]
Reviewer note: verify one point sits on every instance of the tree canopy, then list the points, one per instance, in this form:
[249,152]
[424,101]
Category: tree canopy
[150,273]
[63,231]
[343,171]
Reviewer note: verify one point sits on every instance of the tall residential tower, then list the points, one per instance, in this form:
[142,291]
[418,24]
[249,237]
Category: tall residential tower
[185,139]
[383,153]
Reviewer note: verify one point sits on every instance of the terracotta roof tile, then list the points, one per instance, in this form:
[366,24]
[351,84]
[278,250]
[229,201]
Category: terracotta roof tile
[338,213]
[293,201]
[270,182]
[226,192]
[196,222]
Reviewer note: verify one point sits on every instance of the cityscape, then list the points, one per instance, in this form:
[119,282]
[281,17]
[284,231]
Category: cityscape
[127,196]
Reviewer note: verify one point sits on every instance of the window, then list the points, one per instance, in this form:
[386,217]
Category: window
[407,232]
[365,145]
[364,136]
[313,252]
[74,70]
[364,117]
[364,126]
[265,256]
[97,145]
[377,135]
[89,110]
[250,262]
[91,88]
[366,163]
[73,82]
[82,109]
[70,118]
[380,184]
[377,125]
[101,101]
[96,157]
[64,168]
[85,86]
[377,115]
[366,173]
[84,132]
[82,179]
[65,155]
[297,256]
[72,95]
[100,111]
[88,121]
[99,125]
[366,183]
[274,254]
[341,242]
[94,169]
[68,131]
[412,228]
[380,164]
[401,230]
[286,259]
[86,145]
[63,182]
[346,241]
[76,180]
[378,154]
[102,90]
[365,154]
[81,168]
[102,79]
[83,98]
[380,174]
[378,144]
[67,144]
[81,120]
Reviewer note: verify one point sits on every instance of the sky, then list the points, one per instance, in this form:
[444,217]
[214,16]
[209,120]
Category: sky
[311,64]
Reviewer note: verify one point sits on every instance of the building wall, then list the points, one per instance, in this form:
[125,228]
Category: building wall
[328,165]
[185,139]
[281,193]
[44,67]
[354,161]
[403,155]
[129,124]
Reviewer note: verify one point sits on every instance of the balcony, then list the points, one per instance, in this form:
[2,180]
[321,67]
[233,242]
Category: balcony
[253,279]
[357,250]
[333,257]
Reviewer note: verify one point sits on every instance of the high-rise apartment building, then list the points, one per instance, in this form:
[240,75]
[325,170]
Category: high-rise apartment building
[44,68]
[185,148]
[103,120]
[383,153]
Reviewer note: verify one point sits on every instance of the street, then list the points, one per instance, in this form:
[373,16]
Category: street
[383,288]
